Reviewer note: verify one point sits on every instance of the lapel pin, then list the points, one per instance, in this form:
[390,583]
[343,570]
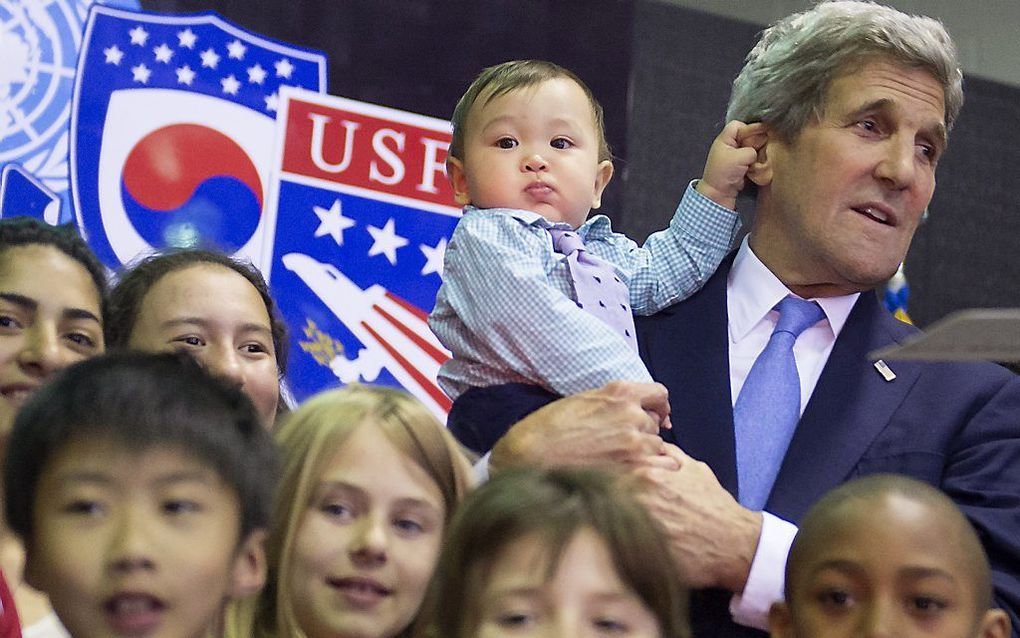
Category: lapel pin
[885,370]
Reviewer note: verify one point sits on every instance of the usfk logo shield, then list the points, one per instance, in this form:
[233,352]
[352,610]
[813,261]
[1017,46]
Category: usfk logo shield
[172,128]
[363,212]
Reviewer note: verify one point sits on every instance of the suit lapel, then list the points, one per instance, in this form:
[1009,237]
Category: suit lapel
[850,405]
[686,349]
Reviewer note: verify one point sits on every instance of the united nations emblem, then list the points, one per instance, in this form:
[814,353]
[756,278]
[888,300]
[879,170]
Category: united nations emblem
[39,47]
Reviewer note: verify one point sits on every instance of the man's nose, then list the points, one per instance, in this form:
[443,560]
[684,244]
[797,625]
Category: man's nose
[897,168]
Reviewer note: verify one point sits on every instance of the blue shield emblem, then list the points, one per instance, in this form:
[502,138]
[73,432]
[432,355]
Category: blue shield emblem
[363,212]
[171,131]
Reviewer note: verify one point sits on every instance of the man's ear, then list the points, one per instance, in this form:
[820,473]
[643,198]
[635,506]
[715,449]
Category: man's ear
[780,622]
[250,566]
[994,624]
[602,177]
[761,137]
[458,180]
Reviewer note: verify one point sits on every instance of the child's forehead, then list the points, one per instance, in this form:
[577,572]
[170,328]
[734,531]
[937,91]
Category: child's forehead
[497,90]
[492,100]
[891,509]
[106,459]
[887,531]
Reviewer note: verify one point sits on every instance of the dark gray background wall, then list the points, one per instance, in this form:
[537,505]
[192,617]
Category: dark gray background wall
[662,72]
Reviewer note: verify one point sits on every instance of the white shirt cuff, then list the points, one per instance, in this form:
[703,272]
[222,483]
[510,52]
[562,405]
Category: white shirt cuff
[480,469]
[768,571]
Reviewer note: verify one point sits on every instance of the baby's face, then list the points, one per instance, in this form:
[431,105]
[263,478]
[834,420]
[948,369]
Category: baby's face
[536,149]
[584,597]
[887,567]
[138,543]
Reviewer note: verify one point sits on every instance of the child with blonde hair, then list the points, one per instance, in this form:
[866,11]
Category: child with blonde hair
[370,479]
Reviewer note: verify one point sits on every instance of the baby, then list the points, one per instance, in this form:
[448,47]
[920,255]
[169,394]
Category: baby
[529,160]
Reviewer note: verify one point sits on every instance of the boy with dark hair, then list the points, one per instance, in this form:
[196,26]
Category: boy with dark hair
[887,555]
[141,488]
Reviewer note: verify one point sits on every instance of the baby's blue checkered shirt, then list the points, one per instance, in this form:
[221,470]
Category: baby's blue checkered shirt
[506,309]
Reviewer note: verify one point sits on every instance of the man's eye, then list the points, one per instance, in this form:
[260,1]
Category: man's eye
[7,321]
[928,152]
[868,125]
[506,142]
[190,340]
[561,143]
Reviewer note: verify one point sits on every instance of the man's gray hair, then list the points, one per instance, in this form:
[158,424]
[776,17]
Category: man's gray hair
[787,74]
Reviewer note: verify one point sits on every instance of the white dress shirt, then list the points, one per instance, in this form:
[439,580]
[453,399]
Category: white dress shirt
[751,293]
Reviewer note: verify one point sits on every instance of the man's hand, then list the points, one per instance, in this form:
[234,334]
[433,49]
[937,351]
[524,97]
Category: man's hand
[615,424]
[713,537]
[733,152]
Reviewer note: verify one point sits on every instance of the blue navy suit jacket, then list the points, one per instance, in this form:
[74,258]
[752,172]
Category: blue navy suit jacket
[955,426]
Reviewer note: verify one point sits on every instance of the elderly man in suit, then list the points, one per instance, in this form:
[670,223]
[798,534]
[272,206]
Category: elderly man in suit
[773,397]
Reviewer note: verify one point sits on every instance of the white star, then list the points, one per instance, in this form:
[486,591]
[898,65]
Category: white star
[163,53]
[187,38]
[272,102]
[256,74]
[284,68]
[185,75]
[386,241]
[209,58]
[332,222]
[433,257]
[141,73]
[138,35]
[230,85]
[113,55]
[235,50]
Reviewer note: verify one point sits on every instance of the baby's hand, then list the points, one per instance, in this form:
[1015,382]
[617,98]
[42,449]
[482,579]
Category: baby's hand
[733,151]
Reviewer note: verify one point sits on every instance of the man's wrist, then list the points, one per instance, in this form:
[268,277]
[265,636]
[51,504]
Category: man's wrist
[509,450]
[764,584]
[748,532]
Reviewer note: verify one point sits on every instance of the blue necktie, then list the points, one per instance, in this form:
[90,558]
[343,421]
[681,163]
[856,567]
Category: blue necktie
[596,288]
[768,407]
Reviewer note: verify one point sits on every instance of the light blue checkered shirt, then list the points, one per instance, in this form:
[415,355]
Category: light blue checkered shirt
[506,312]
